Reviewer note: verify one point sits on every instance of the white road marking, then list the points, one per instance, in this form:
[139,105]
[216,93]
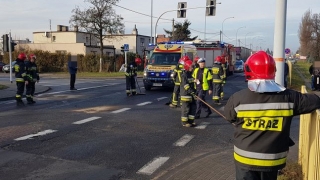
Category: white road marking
[184,140]
[145,103]
[162,98]
[152,166]
[121,110]
[42,133]
[86,120]
[202,125]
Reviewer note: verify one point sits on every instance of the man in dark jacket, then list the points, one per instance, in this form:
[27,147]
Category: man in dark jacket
[286,73]
[262,116]
[72,66]
[21,77]
[177,80]
[131,74]
[33,77]
[311,71]
[217,79]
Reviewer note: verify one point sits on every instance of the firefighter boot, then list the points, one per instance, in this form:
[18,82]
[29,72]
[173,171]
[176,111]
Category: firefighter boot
[29,100]
[20,102]
[172,105]
[185,124]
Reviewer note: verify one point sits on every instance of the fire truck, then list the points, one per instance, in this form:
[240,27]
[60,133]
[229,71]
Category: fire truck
[162,61]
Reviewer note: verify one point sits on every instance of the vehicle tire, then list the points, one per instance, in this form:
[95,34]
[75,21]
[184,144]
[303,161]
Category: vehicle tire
[147,88]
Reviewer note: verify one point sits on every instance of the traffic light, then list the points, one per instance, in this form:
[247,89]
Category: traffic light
[211,7]
[12,46]
[5,38]
[122,48]
[182,12]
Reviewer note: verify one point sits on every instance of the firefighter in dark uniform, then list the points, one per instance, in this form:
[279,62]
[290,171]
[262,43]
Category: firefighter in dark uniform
[217,79]
[262,115]
[33,77]
[177,80]
[131,74]
[224,67]
[203,80]
[195,62]
[187,92]
[21,77]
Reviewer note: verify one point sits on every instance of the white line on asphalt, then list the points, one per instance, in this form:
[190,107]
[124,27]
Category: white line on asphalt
[42,133]
[86,120]
[121,110]
[184,140]
[159,99]
[152,166]
[145,103]
[202,125]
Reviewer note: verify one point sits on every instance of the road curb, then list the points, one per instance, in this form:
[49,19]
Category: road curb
[36,93]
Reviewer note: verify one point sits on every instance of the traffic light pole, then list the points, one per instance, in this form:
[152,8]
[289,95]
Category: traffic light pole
[10,56]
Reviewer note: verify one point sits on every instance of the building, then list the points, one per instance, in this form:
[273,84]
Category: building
[137,43]
[162,38]
[63,40]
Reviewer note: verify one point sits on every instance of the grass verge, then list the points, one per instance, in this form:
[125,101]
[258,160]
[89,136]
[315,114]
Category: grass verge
[300,74]
[292,171]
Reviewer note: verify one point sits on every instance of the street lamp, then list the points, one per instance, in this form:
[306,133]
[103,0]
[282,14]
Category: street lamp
[237,34]
[221,38]
[151,21]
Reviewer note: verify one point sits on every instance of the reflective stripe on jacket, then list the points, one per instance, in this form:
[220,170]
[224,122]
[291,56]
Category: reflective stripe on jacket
[177,76]
[217,73]
[20,71]
[262,125]
[205,79]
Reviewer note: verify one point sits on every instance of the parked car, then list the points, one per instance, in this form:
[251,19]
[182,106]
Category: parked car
[6,68]
[238,66]
[2,64]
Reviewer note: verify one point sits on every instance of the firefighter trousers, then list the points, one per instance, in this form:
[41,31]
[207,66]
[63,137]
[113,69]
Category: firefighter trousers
[242,174]
[217,89]
[200,105]
[188,111]
[30,88]
[130,85]
[175,95]
[20,90]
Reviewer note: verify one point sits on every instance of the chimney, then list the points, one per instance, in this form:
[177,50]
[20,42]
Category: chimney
[135,30]
[76,28]
[59,27]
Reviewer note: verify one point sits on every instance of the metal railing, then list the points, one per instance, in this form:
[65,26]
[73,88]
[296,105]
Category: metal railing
[309,144]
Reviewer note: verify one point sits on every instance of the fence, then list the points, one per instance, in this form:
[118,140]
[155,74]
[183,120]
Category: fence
[309,144]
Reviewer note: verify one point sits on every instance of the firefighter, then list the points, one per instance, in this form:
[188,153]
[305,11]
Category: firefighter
[177,80]
[262,114]
[217,79]
[224,67]
[203,80]
[195,62]
[33,77]
[131,74]
[21,77]
[187,91]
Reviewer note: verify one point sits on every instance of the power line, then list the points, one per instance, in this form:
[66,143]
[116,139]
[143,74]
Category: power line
[140,13]
[203,32]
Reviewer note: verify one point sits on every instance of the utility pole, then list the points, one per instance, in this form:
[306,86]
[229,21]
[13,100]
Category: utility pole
[280,39]
[172,28]
[151,21]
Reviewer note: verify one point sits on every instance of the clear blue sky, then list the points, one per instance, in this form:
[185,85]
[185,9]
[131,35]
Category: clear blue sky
[27,16]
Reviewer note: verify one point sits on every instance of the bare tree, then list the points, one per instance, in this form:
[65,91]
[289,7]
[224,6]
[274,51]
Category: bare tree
[98,19]
[305,31]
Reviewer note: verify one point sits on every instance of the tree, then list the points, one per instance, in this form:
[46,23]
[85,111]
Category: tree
[98,20]
[181,32]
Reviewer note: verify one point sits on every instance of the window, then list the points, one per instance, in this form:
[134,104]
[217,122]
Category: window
[142,42]
[165,58]
[54,38]
[87,39]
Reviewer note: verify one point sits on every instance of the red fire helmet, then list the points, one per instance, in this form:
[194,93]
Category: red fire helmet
[218,59]
[187,64]
[260,66]
[138,61]
[22,56]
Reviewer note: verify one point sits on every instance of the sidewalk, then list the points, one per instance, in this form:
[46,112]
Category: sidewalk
[10,92]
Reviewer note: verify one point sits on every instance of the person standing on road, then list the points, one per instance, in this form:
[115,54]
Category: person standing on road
[311,71]
[203,79]
[72,66]
[262,115]
[177,80]
[217,79]
[286,73]
[131,74]
[33,76]
[21,77]
[187,91]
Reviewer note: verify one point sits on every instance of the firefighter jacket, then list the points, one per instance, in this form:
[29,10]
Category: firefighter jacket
[262,125]
[32,71]
[204,76]
[224,67]
[131,70]
[177,75]
[217,73]
[187,88]
[20,71]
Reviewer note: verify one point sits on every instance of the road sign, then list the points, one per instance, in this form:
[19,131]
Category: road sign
[126,47]
[287,51]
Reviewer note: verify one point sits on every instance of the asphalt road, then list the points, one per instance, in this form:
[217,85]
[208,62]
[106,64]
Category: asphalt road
[99,133]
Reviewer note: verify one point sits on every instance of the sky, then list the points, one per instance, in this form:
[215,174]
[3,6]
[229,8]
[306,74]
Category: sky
[253,21]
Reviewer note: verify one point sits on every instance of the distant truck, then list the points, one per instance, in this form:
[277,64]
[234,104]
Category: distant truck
[164,58]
